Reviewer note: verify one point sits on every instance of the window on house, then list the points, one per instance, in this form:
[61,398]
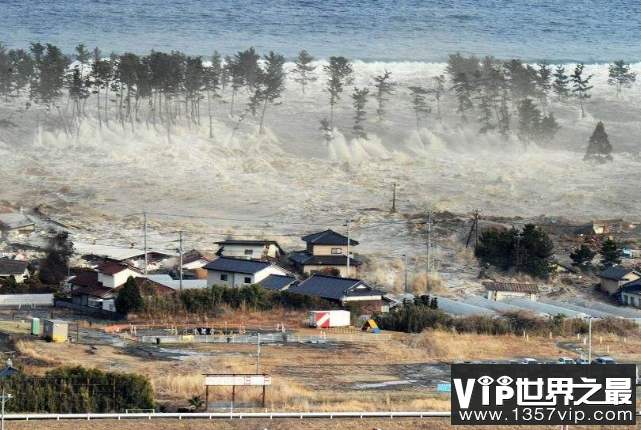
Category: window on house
[248,280]
[223,277]
[249,252]
[337,251]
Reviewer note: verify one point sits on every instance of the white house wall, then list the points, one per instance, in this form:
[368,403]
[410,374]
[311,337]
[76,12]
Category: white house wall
[237,280]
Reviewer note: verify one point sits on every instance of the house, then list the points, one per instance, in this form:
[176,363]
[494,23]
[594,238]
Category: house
[344,291]
[237,272]
[174,284]
[87,290]
[278,282]
[326,251]
[498,291]
[631,293]
[16,221]
[250,249]
[15,268]
[194,260]
[564,269]
[134,257]
[112,274]
[613,278]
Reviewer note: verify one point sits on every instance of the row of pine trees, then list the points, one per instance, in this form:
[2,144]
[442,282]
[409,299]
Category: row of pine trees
[160,89]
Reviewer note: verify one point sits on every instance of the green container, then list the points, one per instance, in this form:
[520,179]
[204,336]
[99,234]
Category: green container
[35,326]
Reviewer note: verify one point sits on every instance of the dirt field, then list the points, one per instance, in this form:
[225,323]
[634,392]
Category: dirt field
[400,374]
[315,424]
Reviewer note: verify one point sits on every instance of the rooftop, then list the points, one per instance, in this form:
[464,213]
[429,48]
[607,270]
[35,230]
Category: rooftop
[328,237]
[111,267]
[15,220]
[335,288]
[512,287]
[12,267]
[305,258]
[615,273]
[277,282]
[236,265]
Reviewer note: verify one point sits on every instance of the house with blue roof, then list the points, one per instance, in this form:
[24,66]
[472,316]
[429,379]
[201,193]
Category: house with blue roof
[344,291]
[236,272]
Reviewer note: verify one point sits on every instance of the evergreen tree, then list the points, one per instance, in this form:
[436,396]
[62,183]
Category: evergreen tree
[213,82]
[610,253]
[195,82]
[582,257]
[533,253]
[51,76]
[23,69]
[521,79]
[6,73]
[129,298]
[384,88]
[543,84]
[359,99]
[504,115]
[463,91]
[247,63]
[419,104]
[272,82]
[561,83]
[326,129]
[599,146]
[82,56]
[548,127]
[55,265]
[529,120]
[304,69]
[581,86]
[438,90]
[457,64]
[620,76]
[339,72]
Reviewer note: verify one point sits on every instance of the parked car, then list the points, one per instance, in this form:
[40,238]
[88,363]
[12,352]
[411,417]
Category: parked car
[565,360]
[604,360]
[529,361]
[582,361]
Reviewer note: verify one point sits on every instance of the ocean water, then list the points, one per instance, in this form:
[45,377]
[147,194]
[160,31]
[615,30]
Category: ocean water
[592,31]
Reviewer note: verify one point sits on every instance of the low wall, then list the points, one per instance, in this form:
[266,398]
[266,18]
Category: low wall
[87,310]
[26,299]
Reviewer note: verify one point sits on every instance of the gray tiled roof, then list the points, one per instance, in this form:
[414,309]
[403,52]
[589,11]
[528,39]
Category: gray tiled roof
[335,288]
[237,265]
[277,282]
[12,267]
[632,287]
[328,237]
[615,273]
[305,258]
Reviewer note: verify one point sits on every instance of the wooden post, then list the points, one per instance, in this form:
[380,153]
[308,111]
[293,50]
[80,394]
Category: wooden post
[206,398]
[264,387]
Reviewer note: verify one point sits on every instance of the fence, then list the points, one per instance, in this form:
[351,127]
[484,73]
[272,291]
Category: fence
[265,338]
[26,300]
[236,415]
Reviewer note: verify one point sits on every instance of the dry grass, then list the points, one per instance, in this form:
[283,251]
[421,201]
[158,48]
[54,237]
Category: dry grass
[449,346]
[32,357]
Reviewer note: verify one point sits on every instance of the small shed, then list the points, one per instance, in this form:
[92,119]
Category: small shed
[503,290]
[56,330]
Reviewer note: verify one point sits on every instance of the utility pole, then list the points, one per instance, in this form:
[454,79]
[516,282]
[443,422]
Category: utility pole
[180,250]
[347,223]
[258,356]
[590,340]
[393,197]
[518,237]
[5,398]
[429,243]
[405,256]
[474,230]
[144,234]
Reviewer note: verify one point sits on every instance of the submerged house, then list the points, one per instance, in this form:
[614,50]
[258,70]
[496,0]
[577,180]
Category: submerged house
[326,253]
[250,249]
[15,268]
[498,291]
